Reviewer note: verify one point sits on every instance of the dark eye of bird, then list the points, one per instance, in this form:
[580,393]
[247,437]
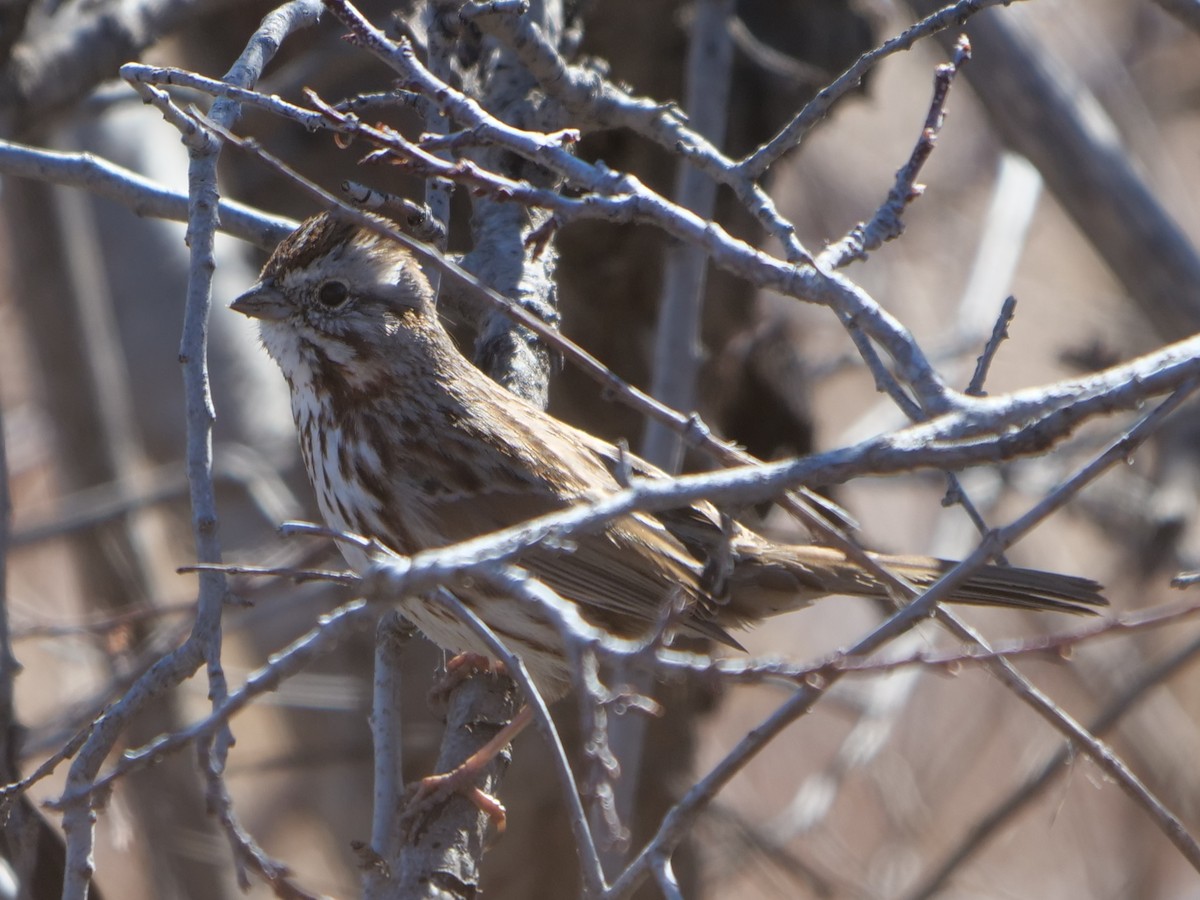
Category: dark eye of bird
[332,294]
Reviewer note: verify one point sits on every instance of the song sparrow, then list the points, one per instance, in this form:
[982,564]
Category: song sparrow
[407,442]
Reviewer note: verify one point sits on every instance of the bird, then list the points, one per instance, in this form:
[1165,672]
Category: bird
[407,442]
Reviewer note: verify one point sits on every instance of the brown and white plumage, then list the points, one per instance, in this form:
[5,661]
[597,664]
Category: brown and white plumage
[407,442]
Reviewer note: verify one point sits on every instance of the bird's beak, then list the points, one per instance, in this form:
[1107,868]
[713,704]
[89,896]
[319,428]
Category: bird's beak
[263,301]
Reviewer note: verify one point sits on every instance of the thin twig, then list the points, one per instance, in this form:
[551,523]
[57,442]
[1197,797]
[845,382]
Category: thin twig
[419,218]
[955,492]
[622,197]
[994,821]
[887,224]
[674,826]
[516,584]
[592,98]
[1054,647]
[203,644]
[999,333]
[329,632]
[756,164]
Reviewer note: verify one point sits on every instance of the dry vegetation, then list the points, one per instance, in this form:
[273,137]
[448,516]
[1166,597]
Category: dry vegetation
[872,792]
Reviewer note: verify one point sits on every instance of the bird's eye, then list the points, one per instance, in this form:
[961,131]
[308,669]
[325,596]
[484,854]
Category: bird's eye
[332,294]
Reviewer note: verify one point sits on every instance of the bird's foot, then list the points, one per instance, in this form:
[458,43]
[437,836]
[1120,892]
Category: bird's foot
[430,792]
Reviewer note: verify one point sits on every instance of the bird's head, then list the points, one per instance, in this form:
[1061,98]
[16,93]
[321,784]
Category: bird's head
[340,301]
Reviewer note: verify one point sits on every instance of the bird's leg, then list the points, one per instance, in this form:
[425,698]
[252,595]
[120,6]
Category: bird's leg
[461,779]
[719,566]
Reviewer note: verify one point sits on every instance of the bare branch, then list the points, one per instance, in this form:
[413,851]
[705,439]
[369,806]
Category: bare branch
[391,636]
[953,15]
[1186,11]
[203,645]
[677,349]
[141,195]
[591,98]
[999,333]
[991,824]
[76,49]
[887,224]
[676,823]
[329,632]
[1044,112]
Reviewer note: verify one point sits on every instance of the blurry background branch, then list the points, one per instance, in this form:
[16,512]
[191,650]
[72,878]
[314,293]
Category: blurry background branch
[1044,112]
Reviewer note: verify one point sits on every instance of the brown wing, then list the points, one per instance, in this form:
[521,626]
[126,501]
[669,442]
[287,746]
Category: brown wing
[697,527]
[621,576]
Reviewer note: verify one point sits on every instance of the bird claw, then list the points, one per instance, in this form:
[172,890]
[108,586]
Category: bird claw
[436,789]
[431,792]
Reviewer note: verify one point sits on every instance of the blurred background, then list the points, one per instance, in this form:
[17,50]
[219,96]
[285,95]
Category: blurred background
[870,794]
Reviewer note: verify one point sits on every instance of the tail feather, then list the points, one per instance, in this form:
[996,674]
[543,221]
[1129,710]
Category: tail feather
[776,579]
[1010,586]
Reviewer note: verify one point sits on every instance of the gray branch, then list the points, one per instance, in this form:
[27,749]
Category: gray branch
[64,55]
[141,195]
[203,645]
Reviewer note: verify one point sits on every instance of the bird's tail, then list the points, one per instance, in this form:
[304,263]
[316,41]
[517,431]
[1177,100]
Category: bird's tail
[779,578]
